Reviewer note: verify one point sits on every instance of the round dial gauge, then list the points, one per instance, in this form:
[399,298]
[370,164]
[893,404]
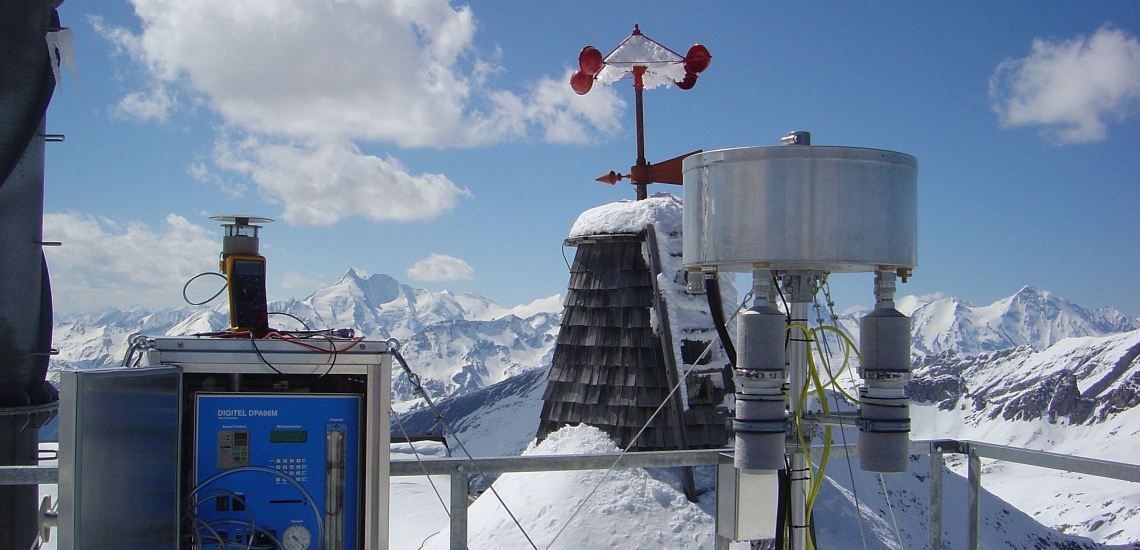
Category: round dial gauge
[296,537]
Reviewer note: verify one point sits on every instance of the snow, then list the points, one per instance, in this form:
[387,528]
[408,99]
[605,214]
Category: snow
[464,344]
[1104,510]
[415,510]
[61,50]
[1030,317]
[631,510]
[663,66]
[630,216]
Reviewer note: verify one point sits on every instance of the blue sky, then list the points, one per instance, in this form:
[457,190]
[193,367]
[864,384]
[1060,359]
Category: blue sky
[441,144]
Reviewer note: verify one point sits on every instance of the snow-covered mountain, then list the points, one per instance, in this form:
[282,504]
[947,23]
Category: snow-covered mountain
[1076,395]
[1030,370]
[1080,396]
[1030,317]
[456,342]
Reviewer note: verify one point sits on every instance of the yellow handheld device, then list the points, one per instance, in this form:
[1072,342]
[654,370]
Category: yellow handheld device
[248,307]
[245,272]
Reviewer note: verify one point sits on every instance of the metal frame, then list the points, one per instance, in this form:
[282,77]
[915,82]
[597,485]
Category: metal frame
[460,468]
[208,355]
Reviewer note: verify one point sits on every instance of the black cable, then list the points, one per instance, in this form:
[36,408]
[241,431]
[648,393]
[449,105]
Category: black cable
[334,352]
[716,309]
[211,298]
[564,259]
[783,502]
[787,310]
[253,341]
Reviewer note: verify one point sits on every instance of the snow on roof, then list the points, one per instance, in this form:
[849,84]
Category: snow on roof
[628,216]
[688,313]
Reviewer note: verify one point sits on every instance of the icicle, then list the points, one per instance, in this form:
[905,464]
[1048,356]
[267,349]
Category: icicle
[61,50]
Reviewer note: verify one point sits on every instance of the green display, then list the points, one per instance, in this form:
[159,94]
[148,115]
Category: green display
[288,436]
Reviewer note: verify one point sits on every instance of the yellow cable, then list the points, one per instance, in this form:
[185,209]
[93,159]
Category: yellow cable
[815,475]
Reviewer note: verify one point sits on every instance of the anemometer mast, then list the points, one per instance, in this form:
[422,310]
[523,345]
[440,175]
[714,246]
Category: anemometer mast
[791,215]
[650,64]
[244,269]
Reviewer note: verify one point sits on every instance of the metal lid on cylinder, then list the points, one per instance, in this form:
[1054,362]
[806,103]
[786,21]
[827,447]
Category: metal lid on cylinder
[839,209]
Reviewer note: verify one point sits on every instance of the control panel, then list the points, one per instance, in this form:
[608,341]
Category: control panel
[277,471]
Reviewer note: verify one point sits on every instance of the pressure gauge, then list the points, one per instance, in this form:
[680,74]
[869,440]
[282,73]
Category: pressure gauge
[296,537]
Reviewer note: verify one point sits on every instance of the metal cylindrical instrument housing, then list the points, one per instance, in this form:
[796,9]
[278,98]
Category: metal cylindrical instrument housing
[760,419]
[240,244]
[760,340]
[838,209]
[884,411]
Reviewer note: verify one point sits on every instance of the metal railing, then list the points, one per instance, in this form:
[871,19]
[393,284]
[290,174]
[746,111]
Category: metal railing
[458,469]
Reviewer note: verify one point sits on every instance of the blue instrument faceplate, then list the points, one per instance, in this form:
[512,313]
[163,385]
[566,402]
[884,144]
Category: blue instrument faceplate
[286,468]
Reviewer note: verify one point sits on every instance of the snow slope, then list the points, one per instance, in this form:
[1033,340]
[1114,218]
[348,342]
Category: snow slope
[632,510]
[1080,396]
[999,399]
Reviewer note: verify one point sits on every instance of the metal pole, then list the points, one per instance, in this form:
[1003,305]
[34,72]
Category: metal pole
[798,288]
[21,358]
[935,505]
[722,543]
[24,312]
[975,495]
[638,86]
[376,454]
[459,489]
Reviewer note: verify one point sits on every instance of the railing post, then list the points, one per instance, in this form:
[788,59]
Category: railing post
[934,511]
[722,543]
[459,510]
[975,494]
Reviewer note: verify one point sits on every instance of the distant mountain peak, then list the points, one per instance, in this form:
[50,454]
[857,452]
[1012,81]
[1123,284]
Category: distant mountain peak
[353,274]
[1030,317]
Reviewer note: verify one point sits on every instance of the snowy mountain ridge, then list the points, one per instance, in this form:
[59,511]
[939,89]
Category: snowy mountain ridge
[457,342]
[475,342]
[1055,377]
[1030,317]
[1080,396]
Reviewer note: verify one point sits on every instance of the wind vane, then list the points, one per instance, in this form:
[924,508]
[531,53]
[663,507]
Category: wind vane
[651,65]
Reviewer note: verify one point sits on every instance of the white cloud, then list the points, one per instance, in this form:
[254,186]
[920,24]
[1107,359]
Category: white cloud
[320,183]
[439,267]
[395,71]
[104,262]
[567,117]
[305,79]
[154,105]
[1072,87]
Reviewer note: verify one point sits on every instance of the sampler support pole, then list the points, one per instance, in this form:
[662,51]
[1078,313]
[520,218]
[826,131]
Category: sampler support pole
[799,290]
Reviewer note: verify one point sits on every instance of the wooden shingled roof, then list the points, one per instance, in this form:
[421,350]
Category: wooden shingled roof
[611,369]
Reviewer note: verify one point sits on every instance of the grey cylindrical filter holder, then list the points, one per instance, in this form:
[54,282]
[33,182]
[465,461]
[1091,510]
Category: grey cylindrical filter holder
[239,244]
[884,413]
[760,419]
